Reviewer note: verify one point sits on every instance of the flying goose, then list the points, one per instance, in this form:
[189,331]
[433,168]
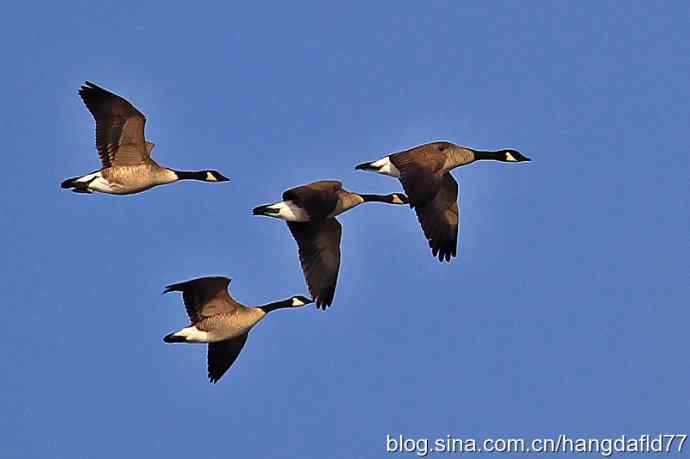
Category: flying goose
[125,154]
[217,319]
[424,172]
[310,212]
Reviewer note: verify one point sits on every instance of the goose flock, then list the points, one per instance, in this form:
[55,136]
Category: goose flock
[310,212]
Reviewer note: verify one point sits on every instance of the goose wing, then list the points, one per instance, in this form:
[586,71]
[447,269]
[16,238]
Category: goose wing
[119,127]
[421,172]
[222,354]
[205,297]
[318,199]
[440,218]
[319,255]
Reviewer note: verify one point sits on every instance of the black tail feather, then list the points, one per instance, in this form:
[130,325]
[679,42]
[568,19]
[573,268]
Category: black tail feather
[172,338]
[70,183]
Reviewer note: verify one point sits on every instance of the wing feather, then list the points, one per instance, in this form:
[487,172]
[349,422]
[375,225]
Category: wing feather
[119,127]
[205,297]
[319,255]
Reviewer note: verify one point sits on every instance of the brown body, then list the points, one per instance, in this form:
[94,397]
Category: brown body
[424,172]
[310,212]
[125,155]
[219,320]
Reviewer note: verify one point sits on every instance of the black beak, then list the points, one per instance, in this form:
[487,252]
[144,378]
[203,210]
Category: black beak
[265,210]
[365,167]
[221,178]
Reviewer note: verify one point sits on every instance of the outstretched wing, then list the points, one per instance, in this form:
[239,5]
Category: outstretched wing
[318,199]
[119,127]
[205,297]
[440,219]
[319,255]
[222,354]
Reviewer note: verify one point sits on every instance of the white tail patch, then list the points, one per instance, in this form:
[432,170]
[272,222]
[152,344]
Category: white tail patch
[386,167]
[193,335]
[97,182]
[88,177]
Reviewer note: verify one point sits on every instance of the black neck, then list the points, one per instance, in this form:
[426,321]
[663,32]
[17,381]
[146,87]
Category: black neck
[495,155]
[277,305]
[193,175]
[377,198]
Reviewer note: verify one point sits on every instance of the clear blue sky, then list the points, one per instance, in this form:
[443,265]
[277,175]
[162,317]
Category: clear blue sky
[567,310]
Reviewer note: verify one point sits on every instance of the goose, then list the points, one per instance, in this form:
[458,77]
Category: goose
[219,320]
[310,211]
[424,172]
[127,166]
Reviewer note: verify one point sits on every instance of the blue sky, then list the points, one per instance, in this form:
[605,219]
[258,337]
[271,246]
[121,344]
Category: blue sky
[566,311]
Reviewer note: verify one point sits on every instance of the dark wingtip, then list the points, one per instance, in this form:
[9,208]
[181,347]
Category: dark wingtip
[325,300]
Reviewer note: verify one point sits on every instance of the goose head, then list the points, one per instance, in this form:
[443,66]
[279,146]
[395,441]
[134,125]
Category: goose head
[512,156]
[399,198]
[214,176]
[298,301]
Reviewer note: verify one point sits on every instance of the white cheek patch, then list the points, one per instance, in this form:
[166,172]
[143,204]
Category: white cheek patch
[210,177]
[386,167]
[298,302]
[510,157]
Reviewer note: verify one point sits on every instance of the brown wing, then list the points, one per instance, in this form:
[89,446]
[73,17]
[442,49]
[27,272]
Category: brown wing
[421,172]
[318,199]
[205,297]
[319,254]
[119,127]
[222,354]
[439,219]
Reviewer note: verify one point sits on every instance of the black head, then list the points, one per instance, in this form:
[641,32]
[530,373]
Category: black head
[512,156]
[398,198]
[299,301]
[215,176]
